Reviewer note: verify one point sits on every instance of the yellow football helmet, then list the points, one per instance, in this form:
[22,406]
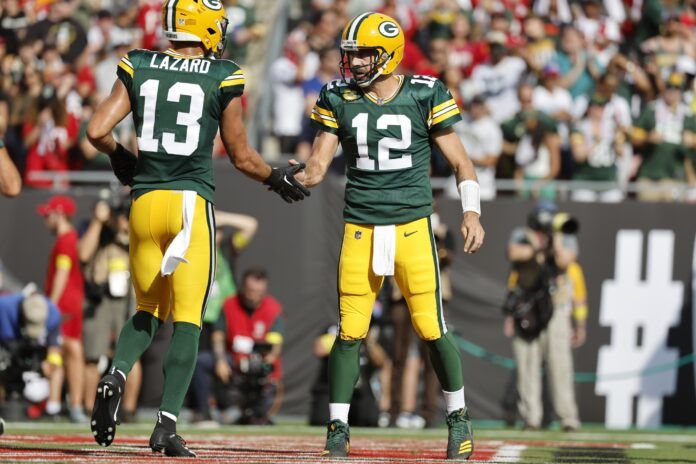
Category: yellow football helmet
[201,21]
[377,32]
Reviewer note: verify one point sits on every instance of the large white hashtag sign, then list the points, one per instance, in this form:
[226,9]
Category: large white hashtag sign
[627,305]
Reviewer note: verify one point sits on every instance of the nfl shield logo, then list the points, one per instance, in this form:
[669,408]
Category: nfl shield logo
[358,234]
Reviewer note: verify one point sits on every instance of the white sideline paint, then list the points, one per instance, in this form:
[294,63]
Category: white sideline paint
[509,453]
[643,446]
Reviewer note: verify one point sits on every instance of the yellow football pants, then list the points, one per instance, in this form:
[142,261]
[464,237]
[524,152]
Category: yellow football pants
[155,219]
[416,272]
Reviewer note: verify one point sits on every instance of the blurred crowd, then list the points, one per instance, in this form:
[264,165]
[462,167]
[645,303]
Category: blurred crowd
[58,60]
[596,91]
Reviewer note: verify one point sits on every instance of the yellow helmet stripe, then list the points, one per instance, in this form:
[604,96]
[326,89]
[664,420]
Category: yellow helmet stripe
[355,25]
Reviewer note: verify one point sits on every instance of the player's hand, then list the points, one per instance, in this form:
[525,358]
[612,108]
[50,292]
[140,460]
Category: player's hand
[299,175]
[472,231]
[222,370]
[282,181]
[123,163]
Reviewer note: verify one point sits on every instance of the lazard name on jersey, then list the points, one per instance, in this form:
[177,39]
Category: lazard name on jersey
[387,145]
[177,103]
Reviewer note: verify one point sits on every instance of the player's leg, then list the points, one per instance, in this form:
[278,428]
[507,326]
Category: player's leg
[191,283]
[148,236]
[418,276]
[358,287]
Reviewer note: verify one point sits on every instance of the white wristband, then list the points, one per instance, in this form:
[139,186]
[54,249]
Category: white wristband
[470,194]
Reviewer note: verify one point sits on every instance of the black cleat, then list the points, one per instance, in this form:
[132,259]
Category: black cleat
[460,442]
[105,412]
[169,444]
[337,439]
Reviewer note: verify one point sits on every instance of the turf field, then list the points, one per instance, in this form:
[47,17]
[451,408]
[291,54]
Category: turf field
[295,443]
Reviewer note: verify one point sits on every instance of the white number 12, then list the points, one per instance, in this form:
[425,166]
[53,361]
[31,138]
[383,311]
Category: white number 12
[385,145]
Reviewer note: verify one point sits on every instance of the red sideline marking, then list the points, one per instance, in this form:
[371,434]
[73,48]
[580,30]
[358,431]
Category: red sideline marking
[271,449]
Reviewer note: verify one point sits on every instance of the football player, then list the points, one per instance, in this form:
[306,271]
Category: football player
[386,124]
[179,98]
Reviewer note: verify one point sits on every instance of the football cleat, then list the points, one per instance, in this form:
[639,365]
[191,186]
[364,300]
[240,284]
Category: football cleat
[169,444]
[105,412]
[460,440]
[337,439]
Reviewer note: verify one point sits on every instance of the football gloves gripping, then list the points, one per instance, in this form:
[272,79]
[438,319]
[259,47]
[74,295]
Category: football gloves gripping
[282,181]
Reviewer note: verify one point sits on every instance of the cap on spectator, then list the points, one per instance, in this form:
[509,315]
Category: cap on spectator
[34,315]
[496,37]
[676,80]
[57,204]
[551,69]
[598,100]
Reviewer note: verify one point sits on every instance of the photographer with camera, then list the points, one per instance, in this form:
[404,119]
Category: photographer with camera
[30,353]
[538,313]
[247,343]
[103,252]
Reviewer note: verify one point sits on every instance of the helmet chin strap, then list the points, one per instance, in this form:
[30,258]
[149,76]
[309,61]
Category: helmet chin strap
[377,74]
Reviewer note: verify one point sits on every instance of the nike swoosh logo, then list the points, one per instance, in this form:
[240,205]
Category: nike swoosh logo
[408,234]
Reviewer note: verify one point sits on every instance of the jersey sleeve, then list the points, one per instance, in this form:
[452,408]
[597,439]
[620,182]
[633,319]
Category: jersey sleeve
[126,71]
[231,86]
[323,116]
[444,111]
[644,124]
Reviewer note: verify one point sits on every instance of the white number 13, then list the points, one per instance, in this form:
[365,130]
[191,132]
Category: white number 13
[385,144]
[189,120]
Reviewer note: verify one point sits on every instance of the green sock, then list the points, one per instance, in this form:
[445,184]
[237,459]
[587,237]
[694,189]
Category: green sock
[447,362]
[179,364]
[344,370]
[135,338]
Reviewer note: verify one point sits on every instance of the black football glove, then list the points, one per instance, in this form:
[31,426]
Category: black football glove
[282,181]
[123,164]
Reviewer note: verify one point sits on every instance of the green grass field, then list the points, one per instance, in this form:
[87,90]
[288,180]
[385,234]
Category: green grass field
[294,442]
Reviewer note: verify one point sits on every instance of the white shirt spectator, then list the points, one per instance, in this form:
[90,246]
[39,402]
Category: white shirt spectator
[288,98]
[499,85]
[552,102]
[482,138]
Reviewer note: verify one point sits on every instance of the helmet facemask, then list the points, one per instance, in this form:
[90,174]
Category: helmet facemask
[220,47]
[378,61]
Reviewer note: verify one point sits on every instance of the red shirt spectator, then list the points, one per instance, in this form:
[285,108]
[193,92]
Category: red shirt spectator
[250,322]
[63,266]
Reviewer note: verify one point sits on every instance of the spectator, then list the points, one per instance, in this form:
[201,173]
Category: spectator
[61,31]
[540,256]
[464,52]
[10,180]
[674,42]
[662,136]
[483,141]
[65,288]
[498,80]
[103,252]
[242,30]
[540,50]
[287,73]
[597,144]
[30,347]
[247,344]
[554,100]
[577,64]
[531,139]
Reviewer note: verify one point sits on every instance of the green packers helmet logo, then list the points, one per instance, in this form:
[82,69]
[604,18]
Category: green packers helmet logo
[213,4]
[389,29]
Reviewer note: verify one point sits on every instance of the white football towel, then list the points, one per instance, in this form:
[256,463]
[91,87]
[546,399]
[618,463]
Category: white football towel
[383,250]
[176,251]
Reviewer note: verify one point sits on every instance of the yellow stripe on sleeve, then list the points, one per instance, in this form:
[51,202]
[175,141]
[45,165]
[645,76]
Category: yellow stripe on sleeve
[274,338]
[321,110]
[453,112]
[442,106]
[63,262]
[326,121]
[125,67]
[232,82]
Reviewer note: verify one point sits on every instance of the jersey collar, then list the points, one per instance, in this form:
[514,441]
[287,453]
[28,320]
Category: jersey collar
[380,101]
[176,54]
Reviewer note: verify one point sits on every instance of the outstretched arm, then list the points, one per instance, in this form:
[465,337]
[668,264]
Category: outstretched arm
[323,151]
[451,147]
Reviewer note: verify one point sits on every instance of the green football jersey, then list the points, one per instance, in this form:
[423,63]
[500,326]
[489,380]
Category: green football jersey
[387,145]
[177,102]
